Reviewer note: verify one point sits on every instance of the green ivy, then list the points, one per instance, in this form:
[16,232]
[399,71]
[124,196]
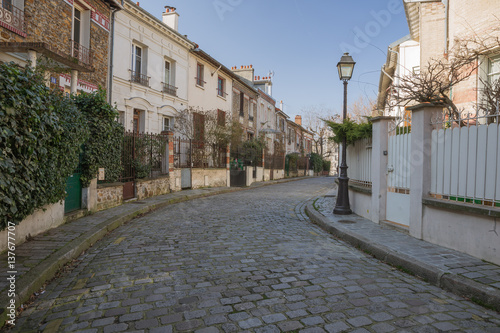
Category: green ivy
[316,162]
[327,165]
[350,130]
[103,149]
[41,132]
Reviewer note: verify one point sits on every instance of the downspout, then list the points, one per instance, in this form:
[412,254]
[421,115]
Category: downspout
[446,26]
[111,55]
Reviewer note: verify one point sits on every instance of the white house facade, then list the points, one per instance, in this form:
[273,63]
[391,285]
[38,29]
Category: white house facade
[150,69]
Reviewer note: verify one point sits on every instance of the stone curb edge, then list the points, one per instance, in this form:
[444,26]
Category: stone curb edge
[36,277]
[483,295]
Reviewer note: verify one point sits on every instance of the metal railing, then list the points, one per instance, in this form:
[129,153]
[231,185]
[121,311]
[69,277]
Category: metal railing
[199,81]
[221,93]
[169,89]
[137,77]
[82,53]
[13,17]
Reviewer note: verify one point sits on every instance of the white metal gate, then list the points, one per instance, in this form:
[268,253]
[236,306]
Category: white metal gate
[398,172]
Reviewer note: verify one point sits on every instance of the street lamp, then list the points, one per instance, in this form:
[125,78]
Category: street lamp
[342,207]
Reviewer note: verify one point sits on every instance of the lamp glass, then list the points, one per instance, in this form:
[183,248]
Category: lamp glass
[346,67]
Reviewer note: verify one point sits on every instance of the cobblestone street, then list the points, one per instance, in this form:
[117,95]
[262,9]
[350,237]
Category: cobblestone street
[248,261]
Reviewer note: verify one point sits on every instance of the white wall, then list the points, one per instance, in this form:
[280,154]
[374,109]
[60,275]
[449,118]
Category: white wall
[159,43]
[206,97]
[408,59]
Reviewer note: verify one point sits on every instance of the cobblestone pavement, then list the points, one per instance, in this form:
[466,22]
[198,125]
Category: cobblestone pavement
[242,262]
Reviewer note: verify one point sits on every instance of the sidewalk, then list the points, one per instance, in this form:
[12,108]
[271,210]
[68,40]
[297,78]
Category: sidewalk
[451,270]
[39,259]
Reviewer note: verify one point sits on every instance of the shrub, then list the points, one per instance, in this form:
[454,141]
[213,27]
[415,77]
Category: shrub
[316,162]
[41,132]
[103,149]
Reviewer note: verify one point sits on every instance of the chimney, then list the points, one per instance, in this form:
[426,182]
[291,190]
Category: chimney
[171,18]
[246,72]
[298,120]
[281,105]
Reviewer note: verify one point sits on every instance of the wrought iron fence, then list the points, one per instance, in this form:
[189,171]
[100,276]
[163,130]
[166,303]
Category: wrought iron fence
[274,161]
[198,154]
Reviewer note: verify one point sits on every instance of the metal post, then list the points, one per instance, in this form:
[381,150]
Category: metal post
[342,207]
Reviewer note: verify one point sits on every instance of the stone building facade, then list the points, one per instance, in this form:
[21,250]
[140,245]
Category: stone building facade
[69,37]
[244,107]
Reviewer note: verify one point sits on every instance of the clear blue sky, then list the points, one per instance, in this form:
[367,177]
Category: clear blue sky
[300,41]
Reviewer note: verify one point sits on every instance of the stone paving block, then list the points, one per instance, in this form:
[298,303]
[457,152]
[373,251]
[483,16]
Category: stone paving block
[250,323]
[288,326]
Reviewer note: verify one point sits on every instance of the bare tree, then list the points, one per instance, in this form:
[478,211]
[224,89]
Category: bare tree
[360,109]
[434,82]
[313,120]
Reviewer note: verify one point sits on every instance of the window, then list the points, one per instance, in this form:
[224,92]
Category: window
[221,87]
[493,69]
[138,74]
[221,118]
[200,69]
[137,121]
[169,78]
[137,59]
[198,129]
[242,104]
[250,111]
[81,34]
[7,4]
[166,124]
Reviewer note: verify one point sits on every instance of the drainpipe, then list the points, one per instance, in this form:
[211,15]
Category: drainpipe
[111,54]
[446,26]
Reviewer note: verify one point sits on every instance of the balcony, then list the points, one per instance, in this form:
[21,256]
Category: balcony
[12,18]
[80,52]
[169,89]
[137,77]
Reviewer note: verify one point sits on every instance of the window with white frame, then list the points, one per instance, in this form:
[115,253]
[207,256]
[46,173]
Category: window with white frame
[166,124]
[138,71]
[493,69]
[81,34]
[169,78]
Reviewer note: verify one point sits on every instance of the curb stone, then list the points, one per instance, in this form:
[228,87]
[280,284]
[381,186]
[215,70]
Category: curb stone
[483,295]
[34,279]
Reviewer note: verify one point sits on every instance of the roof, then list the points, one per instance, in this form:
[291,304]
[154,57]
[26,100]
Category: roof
[280,112]
[157,20]
[115,3]
[202,54]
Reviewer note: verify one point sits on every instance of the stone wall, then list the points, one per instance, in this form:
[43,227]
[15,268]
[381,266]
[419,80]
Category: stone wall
[50,22]
[152,187]
[109,195]
[209,178]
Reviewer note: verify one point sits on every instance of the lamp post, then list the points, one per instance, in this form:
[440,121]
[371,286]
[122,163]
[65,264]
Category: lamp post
[342,207]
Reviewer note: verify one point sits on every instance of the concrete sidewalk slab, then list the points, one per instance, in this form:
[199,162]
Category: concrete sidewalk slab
[462,274]
[39,259]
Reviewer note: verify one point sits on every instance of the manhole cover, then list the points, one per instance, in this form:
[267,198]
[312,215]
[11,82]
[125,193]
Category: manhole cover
[346,221]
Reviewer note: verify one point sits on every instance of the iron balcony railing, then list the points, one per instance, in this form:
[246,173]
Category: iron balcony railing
[169,89]
[139,78]
[82,53]
[221,93]
[12,18]
[199,81]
